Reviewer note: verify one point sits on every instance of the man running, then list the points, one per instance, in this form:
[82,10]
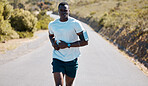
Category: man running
[66,35]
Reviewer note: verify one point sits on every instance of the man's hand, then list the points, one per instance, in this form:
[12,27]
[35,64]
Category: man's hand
[55,46]
[62,44]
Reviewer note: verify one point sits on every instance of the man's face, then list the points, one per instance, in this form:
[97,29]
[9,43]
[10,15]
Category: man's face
[63,11]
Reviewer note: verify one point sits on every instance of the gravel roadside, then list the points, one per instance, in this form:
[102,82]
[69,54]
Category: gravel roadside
[39,39]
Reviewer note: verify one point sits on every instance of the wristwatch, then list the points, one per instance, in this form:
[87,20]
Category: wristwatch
[68,45]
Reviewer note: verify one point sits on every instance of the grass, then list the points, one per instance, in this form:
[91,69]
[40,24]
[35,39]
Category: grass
[9,45]
[125,22]
[99,8]
[14,43]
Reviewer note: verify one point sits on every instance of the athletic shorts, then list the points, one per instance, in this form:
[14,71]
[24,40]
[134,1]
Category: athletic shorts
[68,68]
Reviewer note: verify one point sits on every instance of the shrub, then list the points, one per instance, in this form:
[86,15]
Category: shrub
[25,34]
[1,8]
[22,20]
[21,5]
[92,13]
[7,11]
[48,2]
[43,20]
[43,23]
[41,14]
[6,31]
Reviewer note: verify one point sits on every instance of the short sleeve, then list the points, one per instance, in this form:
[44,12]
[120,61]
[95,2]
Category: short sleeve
[50,28]
[78,27]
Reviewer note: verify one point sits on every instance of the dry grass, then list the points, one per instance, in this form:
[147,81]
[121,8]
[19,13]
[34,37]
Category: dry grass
[14,43]
[112,16]
[99,8]
[8,46]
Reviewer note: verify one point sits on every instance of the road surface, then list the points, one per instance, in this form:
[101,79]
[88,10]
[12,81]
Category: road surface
[100,64]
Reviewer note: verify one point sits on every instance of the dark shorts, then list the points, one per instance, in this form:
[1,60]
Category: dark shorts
[68,68]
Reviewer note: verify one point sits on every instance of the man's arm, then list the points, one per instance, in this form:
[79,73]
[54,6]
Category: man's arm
[53,42]
[80,43]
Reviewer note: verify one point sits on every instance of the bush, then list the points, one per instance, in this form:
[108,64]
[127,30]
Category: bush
[7,11]
[25,34]
[92,13]
[21,6]
[43,20]
[41,14]
[1,8]
[43,23]
[6,31]
[22,20]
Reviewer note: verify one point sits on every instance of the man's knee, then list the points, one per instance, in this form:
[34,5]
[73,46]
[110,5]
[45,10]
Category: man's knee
[68,84]
[69,81]
[59,84]
[58,79]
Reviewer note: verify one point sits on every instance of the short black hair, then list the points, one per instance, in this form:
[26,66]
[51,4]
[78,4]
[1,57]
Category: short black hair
[62,4]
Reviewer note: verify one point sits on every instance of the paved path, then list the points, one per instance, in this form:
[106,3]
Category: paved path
[100,64]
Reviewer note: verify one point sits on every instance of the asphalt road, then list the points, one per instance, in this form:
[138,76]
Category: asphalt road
[100,64]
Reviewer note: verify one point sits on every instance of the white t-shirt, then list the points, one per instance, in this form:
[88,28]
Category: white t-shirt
[67,32]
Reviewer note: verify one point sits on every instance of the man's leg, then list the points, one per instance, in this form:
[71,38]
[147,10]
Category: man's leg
[71,68]
[69,81]
[59,78]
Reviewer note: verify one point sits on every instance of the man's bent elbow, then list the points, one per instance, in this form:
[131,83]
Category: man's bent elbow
[84,43]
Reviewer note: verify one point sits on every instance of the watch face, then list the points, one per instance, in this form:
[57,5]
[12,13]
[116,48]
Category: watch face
[69,45]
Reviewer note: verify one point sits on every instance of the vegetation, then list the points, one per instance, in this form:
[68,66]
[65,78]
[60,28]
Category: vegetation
[43,20]
[22,20]
[124,22]
[6,31]
[20,23]
[127,26]
[23,23]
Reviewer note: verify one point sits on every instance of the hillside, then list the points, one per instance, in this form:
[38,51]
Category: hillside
[123,22]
